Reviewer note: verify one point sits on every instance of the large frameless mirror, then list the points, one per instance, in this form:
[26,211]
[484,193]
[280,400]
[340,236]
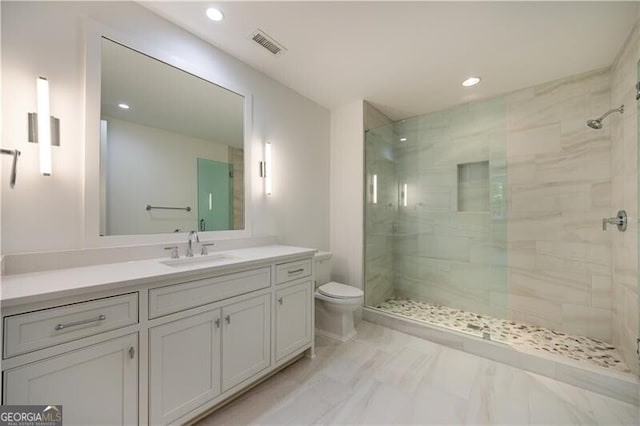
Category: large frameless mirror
[171,148]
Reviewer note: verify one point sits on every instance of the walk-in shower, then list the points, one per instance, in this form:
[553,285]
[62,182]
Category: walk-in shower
[486,219]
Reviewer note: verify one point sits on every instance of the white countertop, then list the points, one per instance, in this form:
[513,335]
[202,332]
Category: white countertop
[38,286]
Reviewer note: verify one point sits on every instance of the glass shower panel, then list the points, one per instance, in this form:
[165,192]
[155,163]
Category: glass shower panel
[443,233]
[380,210]
[405,227]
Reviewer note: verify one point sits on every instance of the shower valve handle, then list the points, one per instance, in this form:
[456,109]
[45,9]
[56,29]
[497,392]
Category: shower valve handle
[620,221]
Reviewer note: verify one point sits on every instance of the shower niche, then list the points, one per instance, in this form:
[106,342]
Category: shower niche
[473,187]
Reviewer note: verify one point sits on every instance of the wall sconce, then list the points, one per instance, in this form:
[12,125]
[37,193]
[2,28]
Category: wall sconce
[266,167]
[374,189]
[43,128]
[404,195]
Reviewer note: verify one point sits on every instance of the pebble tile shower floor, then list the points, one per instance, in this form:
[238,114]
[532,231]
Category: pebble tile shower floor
[577,348]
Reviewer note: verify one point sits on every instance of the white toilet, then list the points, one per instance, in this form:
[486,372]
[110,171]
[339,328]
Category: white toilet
[335,302]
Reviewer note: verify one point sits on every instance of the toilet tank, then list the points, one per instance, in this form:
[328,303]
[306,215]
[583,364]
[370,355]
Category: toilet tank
[322,267]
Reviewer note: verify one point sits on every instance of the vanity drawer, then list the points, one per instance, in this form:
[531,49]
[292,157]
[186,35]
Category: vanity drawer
[48,327]
[293,270]
[179,297]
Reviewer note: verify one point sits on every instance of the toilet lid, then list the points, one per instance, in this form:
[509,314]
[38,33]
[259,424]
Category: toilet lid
[339,291]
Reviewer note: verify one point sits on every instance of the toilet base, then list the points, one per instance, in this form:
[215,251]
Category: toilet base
[335,321]
[342,339]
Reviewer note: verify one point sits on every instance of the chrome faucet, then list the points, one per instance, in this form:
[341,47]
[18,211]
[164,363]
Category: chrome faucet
[192,234]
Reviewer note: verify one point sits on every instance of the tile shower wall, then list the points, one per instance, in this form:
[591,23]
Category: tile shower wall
[559,189]
[624,250]
[449,247]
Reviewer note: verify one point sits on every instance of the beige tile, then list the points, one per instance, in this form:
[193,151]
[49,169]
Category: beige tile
[542,308]
[601,291]
[587,321]
[535,140]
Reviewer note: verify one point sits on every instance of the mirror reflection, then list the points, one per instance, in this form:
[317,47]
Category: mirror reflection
[172,148]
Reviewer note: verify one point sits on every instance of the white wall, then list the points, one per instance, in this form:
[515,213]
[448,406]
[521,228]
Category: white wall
[47,38]
[347,153]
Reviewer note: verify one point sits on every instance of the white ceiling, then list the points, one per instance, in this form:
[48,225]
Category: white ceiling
[409,58]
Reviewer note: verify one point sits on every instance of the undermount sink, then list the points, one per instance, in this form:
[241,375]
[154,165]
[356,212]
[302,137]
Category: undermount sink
[200,260]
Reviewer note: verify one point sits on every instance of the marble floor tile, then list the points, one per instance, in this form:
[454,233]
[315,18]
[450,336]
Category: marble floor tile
[452,371]
[433,405]
[499,395]
[373,402]
[405,370]
[385,377]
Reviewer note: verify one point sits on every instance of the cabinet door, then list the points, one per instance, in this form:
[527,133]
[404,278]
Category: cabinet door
[184,369]
[293,318]
[246,339]
[95,385]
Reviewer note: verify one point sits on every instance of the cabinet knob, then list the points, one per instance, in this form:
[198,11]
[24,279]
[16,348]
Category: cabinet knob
[217,322]
[280,300]
[132,352]
[228,319]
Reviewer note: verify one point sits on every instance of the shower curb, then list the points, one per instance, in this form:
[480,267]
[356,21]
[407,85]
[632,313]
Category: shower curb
[616,385]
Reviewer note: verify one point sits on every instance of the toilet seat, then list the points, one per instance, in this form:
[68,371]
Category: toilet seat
[339,291]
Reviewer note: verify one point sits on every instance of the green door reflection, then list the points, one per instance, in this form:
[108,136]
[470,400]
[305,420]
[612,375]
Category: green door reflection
[215,195]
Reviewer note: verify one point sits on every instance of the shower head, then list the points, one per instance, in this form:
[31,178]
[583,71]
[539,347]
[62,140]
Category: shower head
[597,122]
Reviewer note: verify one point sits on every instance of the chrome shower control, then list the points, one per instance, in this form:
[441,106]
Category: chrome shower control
[620,221]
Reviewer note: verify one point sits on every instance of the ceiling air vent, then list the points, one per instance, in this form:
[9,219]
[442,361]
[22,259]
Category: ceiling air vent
[264,40]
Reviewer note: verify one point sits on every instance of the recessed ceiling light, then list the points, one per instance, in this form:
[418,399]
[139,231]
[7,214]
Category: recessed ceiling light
[403,139]
[471,81]
[123,106]
[215,14]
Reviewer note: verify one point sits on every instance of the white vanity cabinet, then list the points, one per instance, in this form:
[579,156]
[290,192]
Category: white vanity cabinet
[97,384]
[246,339]
[184,365]
[165,349]
[293,311]
[187,356]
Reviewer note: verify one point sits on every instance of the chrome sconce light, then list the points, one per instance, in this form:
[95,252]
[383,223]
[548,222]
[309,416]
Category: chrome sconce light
[44,129]
[373,189]
[404,195]
[266,167]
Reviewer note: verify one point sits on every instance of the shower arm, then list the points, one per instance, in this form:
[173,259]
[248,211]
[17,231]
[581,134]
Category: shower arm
[620,109]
